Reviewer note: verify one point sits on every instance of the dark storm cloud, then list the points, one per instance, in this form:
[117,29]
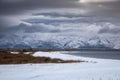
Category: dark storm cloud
[10,6]
[55,14]
[2,25]
[19,6]
[41,28]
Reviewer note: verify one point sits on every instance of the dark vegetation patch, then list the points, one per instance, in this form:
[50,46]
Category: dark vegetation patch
[6,57]
[34,50]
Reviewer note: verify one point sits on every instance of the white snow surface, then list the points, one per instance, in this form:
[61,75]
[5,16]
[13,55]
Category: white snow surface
[56,54]
[103,69]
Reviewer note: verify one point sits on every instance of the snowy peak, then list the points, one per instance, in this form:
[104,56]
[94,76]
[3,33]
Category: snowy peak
[57,42]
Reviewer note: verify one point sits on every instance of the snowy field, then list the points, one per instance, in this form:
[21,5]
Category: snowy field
[94,69]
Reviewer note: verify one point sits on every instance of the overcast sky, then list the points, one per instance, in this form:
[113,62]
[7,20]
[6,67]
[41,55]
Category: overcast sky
[10,8]
[60,17]
[19,6]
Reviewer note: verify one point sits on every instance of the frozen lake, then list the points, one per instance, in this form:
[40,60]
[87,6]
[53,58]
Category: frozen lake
[97,54]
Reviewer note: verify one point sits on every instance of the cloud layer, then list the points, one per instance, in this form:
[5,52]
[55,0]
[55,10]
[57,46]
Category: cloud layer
[91,21]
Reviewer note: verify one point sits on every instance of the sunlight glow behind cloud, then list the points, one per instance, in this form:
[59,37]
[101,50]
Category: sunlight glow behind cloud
[95,1]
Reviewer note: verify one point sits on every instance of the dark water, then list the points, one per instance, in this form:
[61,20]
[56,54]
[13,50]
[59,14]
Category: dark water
[98,54]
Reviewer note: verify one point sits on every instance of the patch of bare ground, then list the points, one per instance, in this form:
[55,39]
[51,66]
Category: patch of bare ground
[7,58]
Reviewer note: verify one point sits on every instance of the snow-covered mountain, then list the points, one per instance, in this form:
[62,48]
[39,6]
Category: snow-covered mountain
[55,42]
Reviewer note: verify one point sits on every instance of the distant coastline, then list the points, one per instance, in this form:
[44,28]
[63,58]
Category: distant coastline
[33,49]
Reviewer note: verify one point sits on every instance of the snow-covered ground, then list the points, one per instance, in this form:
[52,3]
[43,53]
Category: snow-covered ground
[103,69]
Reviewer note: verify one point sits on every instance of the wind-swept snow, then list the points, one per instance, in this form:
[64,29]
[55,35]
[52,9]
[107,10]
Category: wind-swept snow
[101,70]
[56,55]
